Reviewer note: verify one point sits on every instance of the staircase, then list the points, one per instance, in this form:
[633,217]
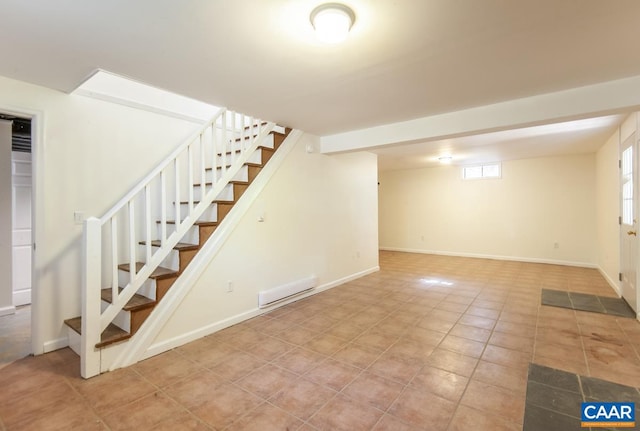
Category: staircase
[145,242]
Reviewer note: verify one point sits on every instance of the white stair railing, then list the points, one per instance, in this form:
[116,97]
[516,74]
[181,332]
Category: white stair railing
[204,165]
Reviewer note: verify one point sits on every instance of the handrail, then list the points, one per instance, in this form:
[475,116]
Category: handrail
[226,142]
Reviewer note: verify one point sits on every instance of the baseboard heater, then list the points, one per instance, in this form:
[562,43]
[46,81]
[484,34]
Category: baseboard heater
[286,291]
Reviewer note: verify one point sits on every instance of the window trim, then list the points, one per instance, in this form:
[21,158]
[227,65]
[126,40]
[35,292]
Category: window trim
[482,167]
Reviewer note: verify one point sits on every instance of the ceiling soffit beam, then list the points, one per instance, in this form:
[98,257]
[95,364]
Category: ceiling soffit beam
[583,102]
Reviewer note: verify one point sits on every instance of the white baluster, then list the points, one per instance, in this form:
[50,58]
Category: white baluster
[132,241]
[223,149]
[214,153]
[203,169]
[114,257]
[177,201]
[148,221]
[163,207]
[190,177]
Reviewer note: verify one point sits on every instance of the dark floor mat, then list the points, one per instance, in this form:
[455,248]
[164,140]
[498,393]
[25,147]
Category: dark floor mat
[554,399]
[586,302]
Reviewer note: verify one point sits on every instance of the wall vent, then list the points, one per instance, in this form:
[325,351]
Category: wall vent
[286,291]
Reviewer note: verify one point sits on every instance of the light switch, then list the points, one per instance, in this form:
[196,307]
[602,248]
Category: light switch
[78,217]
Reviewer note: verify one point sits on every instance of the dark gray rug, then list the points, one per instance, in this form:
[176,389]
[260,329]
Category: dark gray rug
[554,399]
[586,302]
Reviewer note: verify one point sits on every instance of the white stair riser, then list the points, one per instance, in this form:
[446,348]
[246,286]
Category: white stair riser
[74,340]
[147,289]
[123,318]
[255,157]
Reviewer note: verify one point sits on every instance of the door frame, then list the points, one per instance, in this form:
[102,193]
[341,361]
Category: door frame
[37,214]
[628,223]
[629,127]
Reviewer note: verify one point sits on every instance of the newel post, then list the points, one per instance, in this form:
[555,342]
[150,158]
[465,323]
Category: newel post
[91,285]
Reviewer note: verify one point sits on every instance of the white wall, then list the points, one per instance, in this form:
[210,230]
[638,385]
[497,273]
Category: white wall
[6,289]
[536,203]
[320,218]
[87,154]
[321,210]
[608,209]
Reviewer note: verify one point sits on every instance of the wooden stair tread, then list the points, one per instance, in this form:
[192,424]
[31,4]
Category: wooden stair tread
[260,147]
[264,123]
[256,165]
[224,201]
[137,302]
[197,223]
[217,201]
[158,273]
[112,334]
[181,246]
[209,183]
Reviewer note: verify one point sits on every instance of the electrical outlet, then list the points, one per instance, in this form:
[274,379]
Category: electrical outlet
[229,286]
[556,245]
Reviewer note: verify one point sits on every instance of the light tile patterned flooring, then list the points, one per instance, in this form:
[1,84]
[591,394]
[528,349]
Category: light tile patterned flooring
[15,335]
[429,342]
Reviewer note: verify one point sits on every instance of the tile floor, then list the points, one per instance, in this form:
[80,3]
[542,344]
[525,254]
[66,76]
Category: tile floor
[428,343]
[15,335]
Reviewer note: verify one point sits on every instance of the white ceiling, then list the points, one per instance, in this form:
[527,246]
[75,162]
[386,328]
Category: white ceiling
[404,59]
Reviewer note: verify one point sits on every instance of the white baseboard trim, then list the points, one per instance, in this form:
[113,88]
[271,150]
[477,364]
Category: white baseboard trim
[196,334]
[347,279]
[57,344]
[495,257]
[612,282]
[5,311]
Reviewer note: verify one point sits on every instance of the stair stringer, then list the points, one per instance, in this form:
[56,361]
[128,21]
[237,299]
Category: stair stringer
[140,346]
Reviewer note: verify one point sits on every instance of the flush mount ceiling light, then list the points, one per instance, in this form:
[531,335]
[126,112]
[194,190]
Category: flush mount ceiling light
[332,22]
[445,159]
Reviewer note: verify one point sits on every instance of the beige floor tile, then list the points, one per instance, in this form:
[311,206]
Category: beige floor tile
[462,345]
[143,414]
[267,380]
[398,369]
[224,405]
[302,398]
[266,417]
[299,360]
[467,418]
[333,374]
[439,382]
[345,414]
[419,408]
[456,363]
[168,368]
[501,402]
[357,355]
[389,351]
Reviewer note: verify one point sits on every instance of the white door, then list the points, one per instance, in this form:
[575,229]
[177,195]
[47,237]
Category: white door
[628,219]
[21,226]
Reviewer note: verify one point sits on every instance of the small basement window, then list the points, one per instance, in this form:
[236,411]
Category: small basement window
[489,170]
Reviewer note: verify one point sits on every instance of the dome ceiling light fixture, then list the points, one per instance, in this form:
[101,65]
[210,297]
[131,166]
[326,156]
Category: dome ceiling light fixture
[332,22]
